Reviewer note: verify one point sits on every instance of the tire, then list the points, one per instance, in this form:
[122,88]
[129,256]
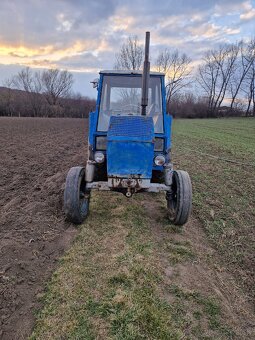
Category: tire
[76,199]
[179,200]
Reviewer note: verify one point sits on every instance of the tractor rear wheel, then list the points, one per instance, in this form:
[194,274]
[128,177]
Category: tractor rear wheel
[179,199]
[76,199]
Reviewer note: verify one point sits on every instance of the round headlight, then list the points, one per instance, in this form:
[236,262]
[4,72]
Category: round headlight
[159,160]
[99,157]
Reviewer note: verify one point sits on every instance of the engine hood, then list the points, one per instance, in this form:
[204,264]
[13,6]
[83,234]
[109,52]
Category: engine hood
[130,147]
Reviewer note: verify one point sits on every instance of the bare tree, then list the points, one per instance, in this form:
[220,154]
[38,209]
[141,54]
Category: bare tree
[30,82]
[225,58]
[249,90]
[56,84]
[177,68]
[215,73]
[130,56]
[244,64]
[25,95]
[208,74]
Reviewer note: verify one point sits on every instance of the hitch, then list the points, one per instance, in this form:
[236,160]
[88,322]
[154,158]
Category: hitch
[128,193]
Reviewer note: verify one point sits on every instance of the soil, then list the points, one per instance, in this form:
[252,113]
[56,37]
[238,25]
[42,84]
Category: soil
[35,157]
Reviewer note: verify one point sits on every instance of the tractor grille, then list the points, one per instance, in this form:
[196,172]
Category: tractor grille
[130,147]
[132,127]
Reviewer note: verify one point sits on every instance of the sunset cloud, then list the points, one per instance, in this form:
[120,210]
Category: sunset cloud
[84,35]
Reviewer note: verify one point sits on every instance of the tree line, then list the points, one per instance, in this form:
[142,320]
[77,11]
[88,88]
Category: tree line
[223,84]
[43,94]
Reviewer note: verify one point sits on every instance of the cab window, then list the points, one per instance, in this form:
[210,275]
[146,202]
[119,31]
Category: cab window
[121,95]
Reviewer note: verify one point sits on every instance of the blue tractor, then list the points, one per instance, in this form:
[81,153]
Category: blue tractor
[129,146]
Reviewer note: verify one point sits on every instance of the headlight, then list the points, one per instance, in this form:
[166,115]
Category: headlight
[159,160]
[101,142]
[99,157]
[159,144]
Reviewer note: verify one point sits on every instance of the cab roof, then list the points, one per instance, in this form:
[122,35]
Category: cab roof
[128,72]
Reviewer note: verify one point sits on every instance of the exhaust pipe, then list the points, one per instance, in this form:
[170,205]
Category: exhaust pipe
[146,75]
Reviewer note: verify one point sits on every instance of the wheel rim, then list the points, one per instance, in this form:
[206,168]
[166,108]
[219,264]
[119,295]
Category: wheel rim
[172,200]
[83,200]
[84,206]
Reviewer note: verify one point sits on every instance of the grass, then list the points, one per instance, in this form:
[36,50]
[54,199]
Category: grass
[224,197]
[201,306]
[112,283]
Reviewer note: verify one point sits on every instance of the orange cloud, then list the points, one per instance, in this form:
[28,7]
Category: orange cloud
[47,56]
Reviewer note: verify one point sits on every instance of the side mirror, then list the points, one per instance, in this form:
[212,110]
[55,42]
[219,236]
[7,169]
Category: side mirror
[95,83]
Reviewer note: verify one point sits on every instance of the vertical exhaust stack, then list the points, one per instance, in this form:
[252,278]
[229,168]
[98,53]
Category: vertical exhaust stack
[146,75]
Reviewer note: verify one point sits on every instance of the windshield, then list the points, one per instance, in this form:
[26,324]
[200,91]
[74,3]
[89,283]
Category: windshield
[121,95]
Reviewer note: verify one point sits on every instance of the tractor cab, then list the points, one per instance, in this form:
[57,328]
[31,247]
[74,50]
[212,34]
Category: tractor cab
[120,95]
[123,143]
[129,145]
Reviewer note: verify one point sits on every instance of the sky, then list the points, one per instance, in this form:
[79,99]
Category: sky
[83,36]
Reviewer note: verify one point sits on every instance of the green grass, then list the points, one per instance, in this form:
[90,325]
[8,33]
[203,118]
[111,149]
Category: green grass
[112,283]
[201,306]
[224,198]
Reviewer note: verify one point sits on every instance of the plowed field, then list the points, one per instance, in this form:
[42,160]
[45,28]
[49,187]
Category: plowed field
[35,156]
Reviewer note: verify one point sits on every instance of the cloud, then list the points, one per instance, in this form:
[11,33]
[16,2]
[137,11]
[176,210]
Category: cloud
[206,30]
[64,24]
[249,12]
[84,35]
[211,31]
[228,8]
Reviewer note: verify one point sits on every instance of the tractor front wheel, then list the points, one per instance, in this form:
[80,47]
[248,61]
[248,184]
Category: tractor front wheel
[179,198]
[76,199]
